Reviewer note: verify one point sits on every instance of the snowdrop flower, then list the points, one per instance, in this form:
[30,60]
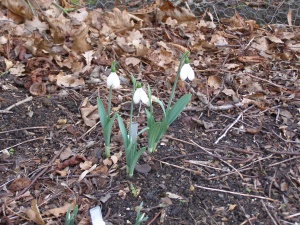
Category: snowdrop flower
[140,95]
[187,71]
[113,80]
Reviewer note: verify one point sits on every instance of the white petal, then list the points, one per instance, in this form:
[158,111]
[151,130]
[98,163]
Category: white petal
[113,80]
[187,71]
[183,73]
[191,74]
[136,96]
[144,97]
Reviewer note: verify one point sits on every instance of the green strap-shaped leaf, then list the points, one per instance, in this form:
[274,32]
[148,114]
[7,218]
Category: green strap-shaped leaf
[102,113]
[123,131]
[161,105]
[107,129]
[150,118]
[163,129]
[136,157]
[153,133]
[178,108]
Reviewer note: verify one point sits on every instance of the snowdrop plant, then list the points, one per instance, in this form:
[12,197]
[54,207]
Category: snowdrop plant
[156,129]
[140,217]
[132,153]
[70,217]
[113,82]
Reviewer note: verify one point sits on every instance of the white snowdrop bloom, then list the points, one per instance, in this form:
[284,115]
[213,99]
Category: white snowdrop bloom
[113,80]
[140,95]
[187,72]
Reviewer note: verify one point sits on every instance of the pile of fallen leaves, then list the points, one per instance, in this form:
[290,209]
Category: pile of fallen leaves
[238,63]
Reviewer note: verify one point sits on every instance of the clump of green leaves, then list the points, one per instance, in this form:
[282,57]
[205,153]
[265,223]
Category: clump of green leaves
[105,119]
[140,217]
[158,128]
[132,153]
[70,217]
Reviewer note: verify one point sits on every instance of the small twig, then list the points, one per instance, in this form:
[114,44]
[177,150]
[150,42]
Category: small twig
[287,141]
[34,139]
[284,161]
[155,217]
[25,128]
[92,128]
[228,164]
[282,152]
[235,160]
[268,212]
[236,193]
[40,173]
[241,169]
[276,85]
[231,125]
[17,214]
[7,110]
[242,208]
[291,216]
[205,101]
[107,214]
[179,167]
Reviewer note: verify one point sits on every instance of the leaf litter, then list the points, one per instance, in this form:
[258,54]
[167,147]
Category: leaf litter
[232,157]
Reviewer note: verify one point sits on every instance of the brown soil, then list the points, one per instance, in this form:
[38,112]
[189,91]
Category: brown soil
[242,163]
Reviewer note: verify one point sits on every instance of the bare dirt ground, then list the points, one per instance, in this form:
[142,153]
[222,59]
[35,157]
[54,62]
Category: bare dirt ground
[232,156]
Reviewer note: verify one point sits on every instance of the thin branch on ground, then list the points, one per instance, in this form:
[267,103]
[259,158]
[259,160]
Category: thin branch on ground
[287,141]
[231,125]
[155,217]
[228,164]
[179,167]
[40,173]
[89,130]
[270,82]
[204,100]
[243,209]
[34,139]
[25,128]
[282,152]
[292,216]
[236,193]
[235,160]
[268,212]
[284,161]
[241,169]
[7,110]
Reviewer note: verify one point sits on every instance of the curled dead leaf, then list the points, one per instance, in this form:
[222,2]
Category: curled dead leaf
[66,80]
[19,7]
[19,184]
[251,59]
[61,210]
[254,130]
[34,214]
[38,89]
[214,81]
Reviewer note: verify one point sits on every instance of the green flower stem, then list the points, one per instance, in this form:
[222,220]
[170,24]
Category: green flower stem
[109,101]
[107,151]
[131,106]
[183,57]
[107,145]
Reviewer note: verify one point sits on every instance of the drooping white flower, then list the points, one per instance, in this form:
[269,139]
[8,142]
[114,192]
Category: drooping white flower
[140,95]
[113,80]
[187,72]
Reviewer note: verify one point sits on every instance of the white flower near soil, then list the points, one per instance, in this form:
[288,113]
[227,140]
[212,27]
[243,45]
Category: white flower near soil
[187,72]
[113,80]
[140,95]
